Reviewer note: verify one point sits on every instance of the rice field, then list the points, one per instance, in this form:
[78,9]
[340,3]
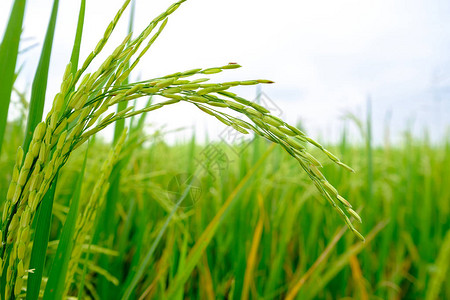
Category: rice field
[276,239]
[139,218]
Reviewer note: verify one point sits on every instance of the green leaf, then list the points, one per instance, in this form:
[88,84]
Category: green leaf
[442,264]
[77,44]
[9,50]
[39,86]
[57,276]
[41,236]
[75,56]
[332,269]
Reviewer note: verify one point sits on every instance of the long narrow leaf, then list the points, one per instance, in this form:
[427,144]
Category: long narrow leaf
[320,260]
[74,58]
[440,275]
[369,151]
[9,50]
[56,279]
[39,86]
[38,253]
[252,256]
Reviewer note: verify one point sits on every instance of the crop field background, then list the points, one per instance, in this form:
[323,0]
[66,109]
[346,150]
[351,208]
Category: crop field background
[278,235]
[145,217]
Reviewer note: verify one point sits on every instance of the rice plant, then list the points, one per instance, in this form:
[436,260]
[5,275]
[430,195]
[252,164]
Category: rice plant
[79,111]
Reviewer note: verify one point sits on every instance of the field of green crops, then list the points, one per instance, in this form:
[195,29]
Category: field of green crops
[276,238]
[140,218]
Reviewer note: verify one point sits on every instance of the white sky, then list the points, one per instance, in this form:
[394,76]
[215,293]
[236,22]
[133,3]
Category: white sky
[326,57]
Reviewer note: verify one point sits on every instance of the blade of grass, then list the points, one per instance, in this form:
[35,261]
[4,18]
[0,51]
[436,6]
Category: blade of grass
[369,151]
[334,268]
[74,58]
[208,285]
[39,86]
[39,250]
[123,239]
[162,266]
[37,100]
[292,293]
[182,261]
[9,50]
[57,275]
[252,257]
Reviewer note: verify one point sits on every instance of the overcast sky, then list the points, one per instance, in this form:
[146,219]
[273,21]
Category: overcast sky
[326,57]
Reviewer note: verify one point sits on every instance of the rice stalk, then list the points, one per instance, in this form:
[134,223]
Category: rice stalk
[38,253]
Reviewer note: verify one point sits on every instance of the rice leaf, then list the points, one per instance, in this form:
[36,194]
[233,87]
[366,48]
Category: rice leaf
[39,250]
[292,293]
[252,256]
[39,86]
[114,194]
[333,268]
[9,50]
[57,275]
[369,151]
[74,58]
